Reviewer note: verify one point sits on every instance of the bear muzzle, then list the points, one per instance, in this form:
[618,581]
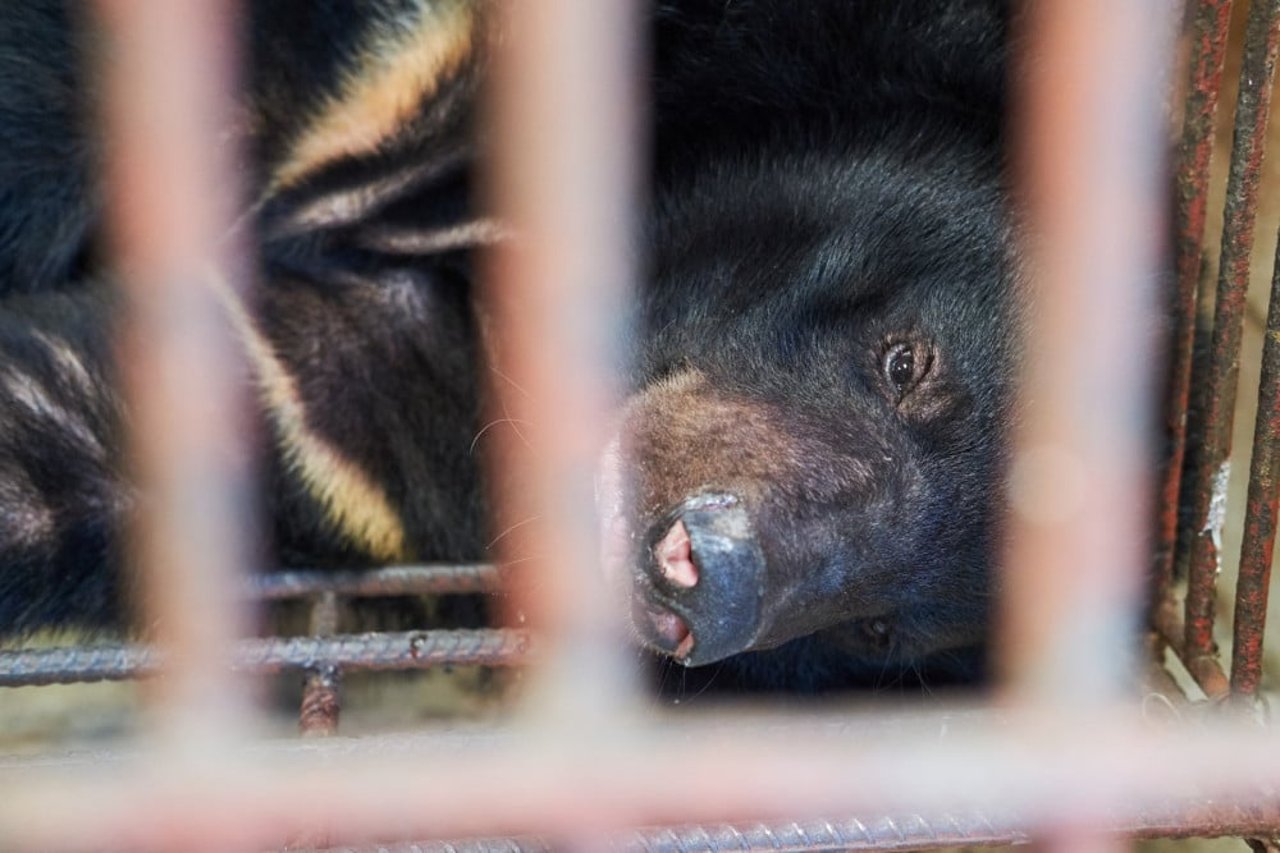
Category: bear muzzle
[700,581]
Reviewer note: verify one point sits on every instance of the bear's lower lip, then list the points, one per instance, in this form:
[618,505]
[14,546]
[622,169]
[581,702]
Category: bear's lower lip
[669,632]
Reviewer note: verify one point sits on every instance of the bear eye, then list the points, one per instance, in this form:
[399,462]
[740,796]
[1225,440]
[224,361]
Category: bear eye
[901,367]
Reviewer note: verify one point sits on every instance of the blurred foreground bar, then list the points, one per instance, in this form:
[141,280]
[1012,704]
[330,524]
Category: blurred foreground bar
[564,177]
[1092,153]
[1105,771]
[167,72]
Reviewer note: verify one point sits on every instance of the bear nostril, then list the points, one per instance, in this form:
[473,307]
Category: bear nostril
[674,554]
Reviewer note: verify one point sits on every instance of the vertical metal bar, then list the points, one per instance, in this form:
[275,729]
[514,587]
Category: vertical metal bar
[167,72]
[1261,510]
[1209,20]
[564,176]
[1091,146]
[1253,107]
[321,704]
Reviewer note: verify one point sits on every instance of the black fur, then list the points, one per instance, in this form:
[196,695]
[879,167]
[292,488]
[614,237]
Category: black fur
[827,179]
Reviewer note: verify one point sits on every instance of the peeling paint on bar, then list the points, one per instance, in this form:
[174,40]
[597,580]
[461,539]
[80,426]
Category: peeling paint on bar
[1216,518]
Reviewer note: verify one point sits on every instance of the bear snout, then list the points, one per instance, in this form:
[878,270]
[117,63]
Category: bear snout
[694,489]
[700,583]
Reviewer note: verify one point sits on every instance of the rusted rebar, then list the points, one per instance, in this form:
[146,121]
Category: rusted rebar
[921,832]
[376,651]
[905,832]
[885,832]
[1261,510]
[1253,108]
[435,579]
[321,706]
[1208,23]
[1205,669]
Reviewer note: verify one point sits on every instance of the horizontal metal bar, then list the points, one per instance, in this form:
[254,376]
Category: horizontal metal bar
[899,832]
[1206,819]
[1104,771]
[432,579]
[480,845]
[374,651]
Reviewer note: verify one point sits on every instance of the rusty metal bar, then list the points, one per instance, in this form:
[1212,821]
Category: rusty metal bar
[563,175]
[905,832]
[171,195]
[902,832]
[1205,669]
[1035,769]
[1091,149]
[1208,25]
[391,580]
[321,706]
[1261,509]
[377,651]
[917,832]
[1253,107]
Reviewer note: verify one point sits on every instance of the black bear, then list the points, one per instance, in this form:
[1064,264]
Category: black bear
[806,486]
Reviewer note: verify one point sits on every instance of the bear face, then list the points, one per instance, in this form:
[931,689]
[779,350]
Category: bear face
[829,374]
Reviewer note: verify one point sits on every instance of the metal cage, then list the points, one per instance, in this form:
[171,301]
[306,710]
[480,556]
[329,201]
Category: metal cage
[1063,752]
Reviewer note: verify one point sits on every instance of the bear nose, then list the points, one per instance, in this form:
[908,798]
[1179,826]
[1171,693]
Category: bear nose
[705,581]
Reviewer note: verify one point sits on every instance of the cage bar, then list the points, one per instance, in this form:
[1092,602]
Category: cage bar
[170,181]
[1209,21]
[321,705]
[1205,670]
[1261,509]
[1091,146]
[563,178]
[1253,107]
[1049,769]
[884,832]
[382,650]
